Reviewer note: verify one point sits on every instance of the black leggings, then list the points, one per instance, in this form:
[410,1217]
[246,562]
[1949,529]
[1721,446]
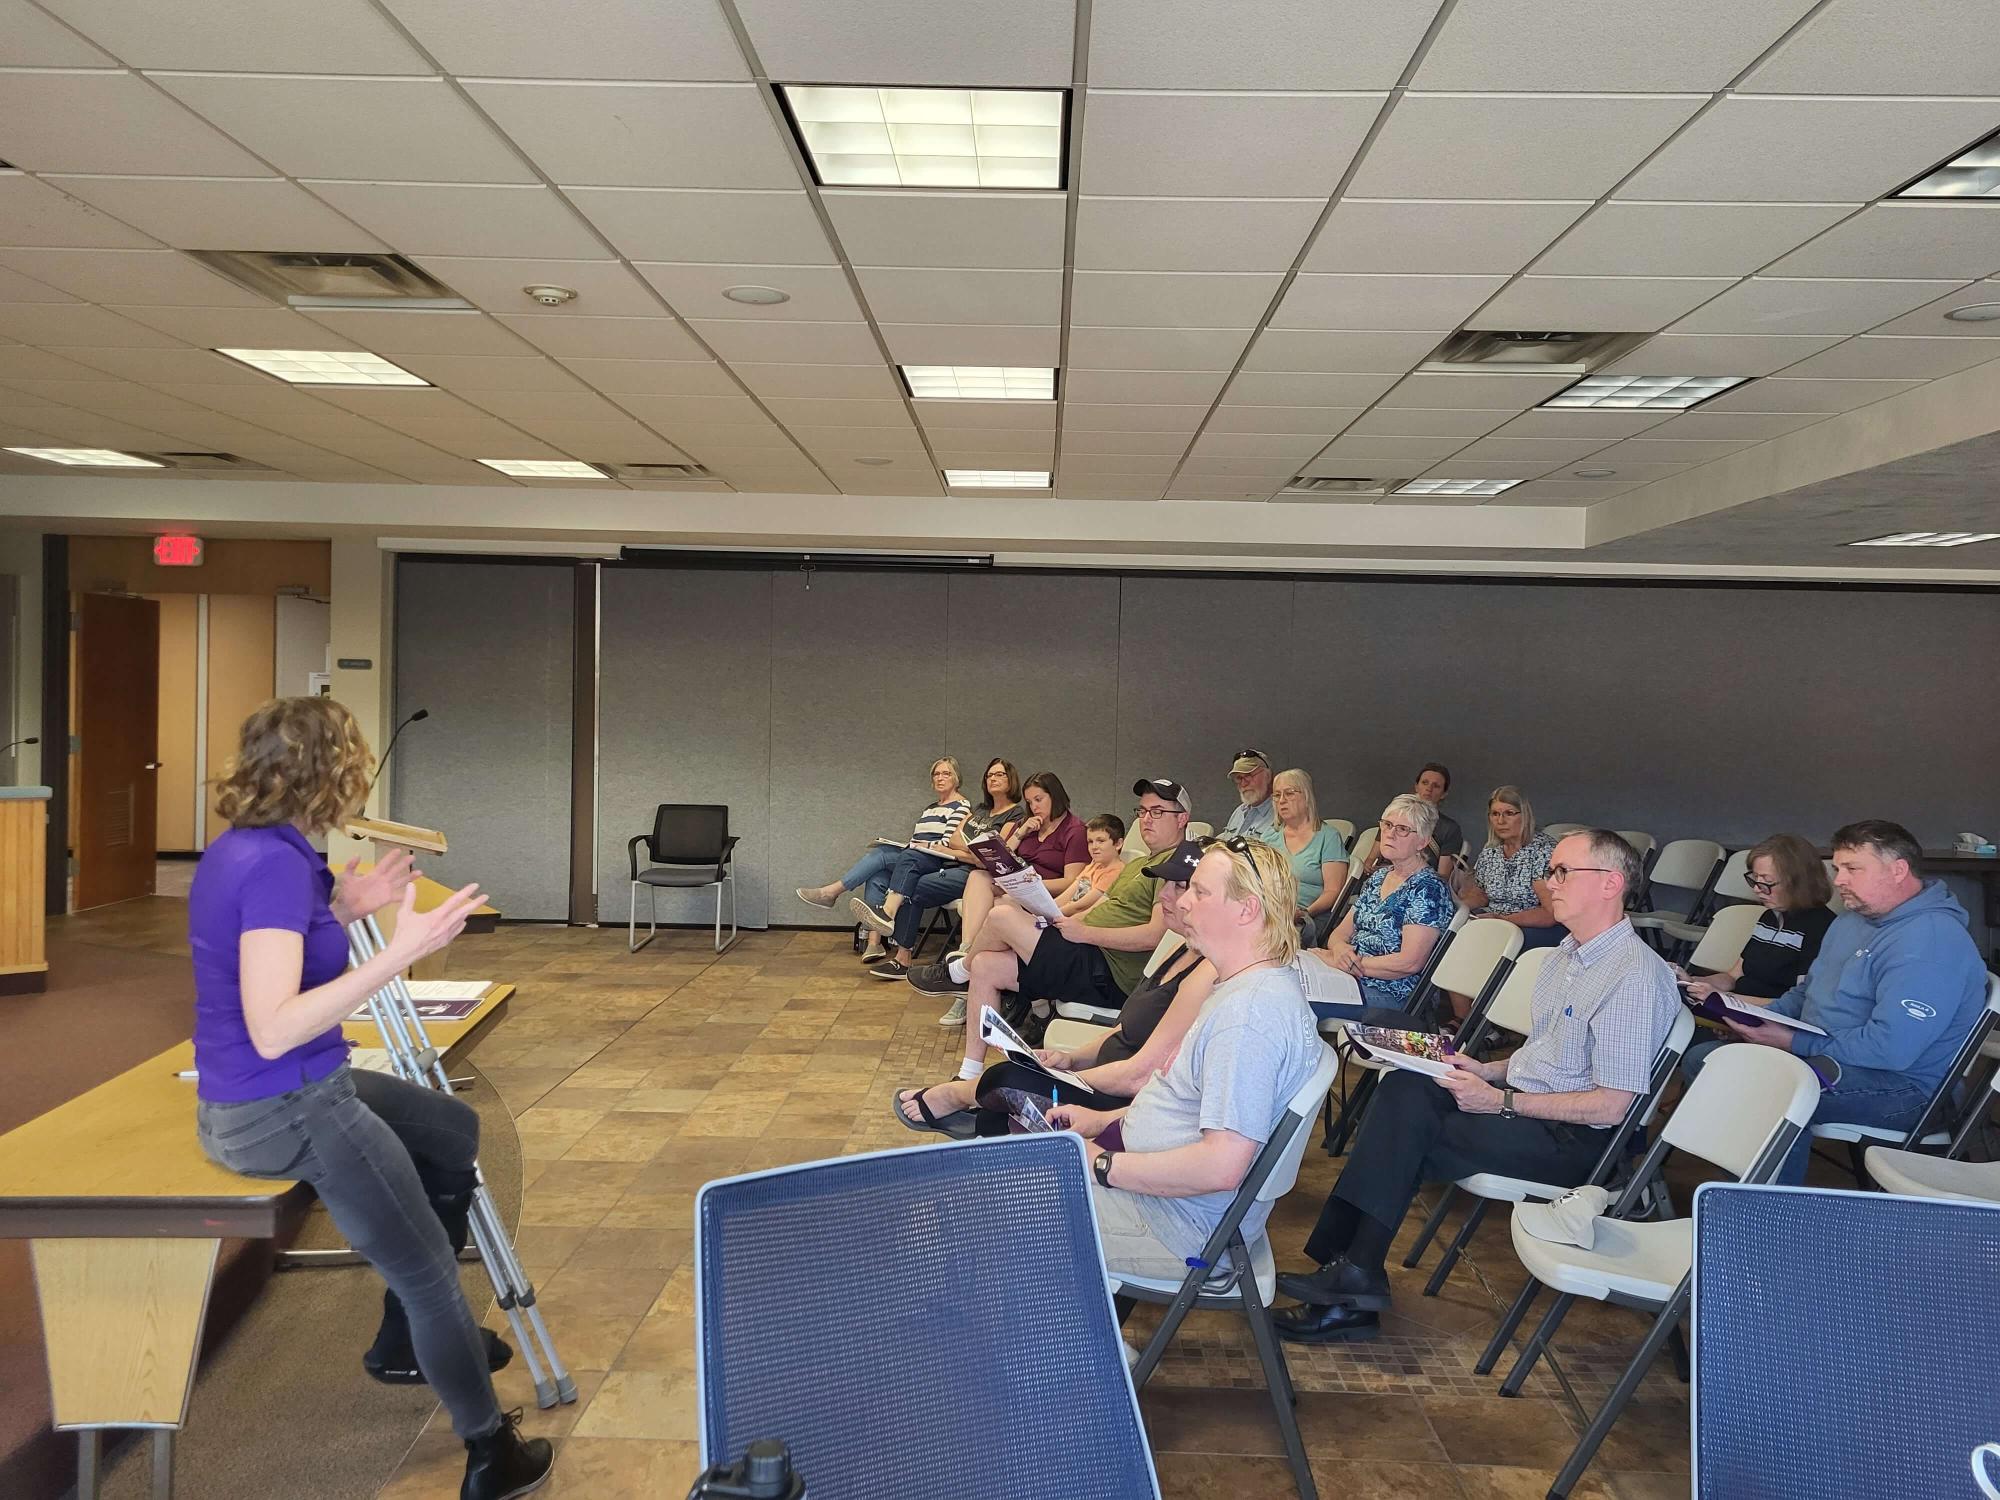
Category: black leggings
[994,1107]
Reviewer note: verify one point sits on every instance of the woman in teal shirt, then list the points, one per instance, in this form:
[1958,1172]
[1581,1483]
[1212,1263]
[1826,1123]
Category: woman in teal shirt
[1319,858]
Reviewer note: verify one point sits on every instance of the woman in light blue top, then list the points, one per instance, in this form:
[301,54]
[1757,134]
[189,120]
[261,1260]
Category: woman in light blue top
[1319,858]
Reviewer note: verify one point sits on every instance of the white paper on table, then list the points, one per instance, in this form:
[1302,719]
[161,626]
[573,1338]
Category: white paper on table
[447,989]
[995,1032]
[370,1060]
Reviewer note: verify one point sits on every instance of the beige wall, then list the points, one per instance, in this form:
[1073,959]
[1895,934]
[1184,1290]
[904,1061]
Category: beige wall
[241,643]
[180,671]
[21,558]
[125,563]
[362,605]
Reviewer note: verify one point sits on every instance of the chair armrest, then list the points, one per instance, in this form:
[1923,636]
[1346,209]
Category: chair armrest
[632,853]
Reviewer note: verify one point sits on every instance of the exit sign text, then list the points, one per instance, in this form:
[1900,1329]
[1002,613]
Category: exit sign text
[177,551]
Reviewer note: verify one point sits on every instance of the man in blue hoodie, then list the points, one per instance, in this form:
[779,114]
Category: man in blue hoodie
[1897,987]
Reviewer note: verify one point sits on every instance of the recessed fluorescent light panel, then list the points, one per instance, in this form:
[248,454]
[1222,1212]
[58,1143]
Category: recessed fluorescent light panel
[88,458]
[1645,392]
[1929,539]
[544,468]
[1974,173]
[325,366]
[979,382]
[1456,486]
[930,137]
[997,479]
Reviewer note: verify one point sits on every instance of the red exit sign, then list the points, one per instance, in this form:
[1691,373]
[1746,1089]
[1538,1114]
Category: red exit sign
[177,551]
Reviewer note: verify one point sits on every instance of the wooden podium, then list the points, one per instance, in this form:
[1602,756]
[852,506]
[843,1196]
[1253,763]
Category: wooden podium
[24,819]
[385,837]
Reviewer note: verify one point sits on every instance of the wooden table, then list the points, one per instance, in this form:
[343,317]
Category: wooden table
[124,1218]
[24,834]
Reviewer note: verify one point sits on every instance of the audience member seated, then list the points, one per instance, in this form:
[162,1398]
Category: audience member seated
[1169,1164]
[1253,813]
[1509,878]
[1446,838]
[1149,1028]
[1095,959]
[1897,986]
[1050,841]
[1319,858]
[1788,878]
[1601,1010]
[1104,837]
[870,874]
[1399,913]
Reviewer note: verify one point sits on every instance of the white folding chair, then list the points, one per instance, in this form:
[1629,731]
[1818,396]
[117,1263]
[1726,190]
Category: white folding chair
[1742,1119]
[1912,1174]
[1345,828]
[1103,1015]
[1722,941]
[1685,865]
[1643,844]
[1563,830]
[1732,885]
[1206,1286]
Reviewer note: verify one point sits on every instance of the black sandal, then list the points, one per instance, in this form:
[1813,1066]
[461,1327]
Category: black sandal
[959,1125]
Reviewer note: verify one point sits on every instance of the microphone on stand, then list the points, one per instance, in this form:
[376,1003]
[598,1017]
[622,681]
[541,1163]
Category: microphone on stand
[32,739]
[380,765]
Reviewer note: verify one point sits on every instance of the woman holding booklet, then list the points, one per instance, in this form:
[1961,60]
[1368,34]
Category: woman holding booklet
[1786,874]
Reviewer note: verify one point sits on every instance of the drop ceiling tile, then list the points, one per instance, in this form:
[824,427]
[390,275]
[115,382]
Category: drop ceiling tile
[817,411]
[553,406]
[1515,146]
[239,327]
[1010,231]
[1469,390]
[16,286]
[95,121]
[1581,422]
[374,129]
[1753,426]
[819,294]
[84,429]
[1418,451]
[1718,353]
[653,377]
[1796,150]
[1562,492]
[1262,388]
[1592,304]
[679,225]
[1530,450]
[267,36]
[1192,234]
[610,442]
[607,338]
[119,397]
[482,372]
[1930,321]
[1019,416]
[1769,304]
[1006,298]
[401,407]
[1170,299]
[19,362]
[1696,45]
[1419,421]
[1225,145]
[1436,237]
[966,42]
[842,441]
[1295,44]
[1142,387]
[143,277]
[31,38]
[1384,302]
[35,213]
[731,420]
[1885,47]
[1135,444]
[1943,239]
[1873,357]
[641,39]
[818,380]
[1080,464]
[182,371]
[1323,420]
[395,333]
[1650,450]
[788,343]
[694,135]
[528,223]
[1685,239]
[961,448]
[1275,448]
[221,213]
[1311,352]
[267,402]
[1084,416]
[79,325]
[1111,489]
[603,287]
[1461,467]
[972,344]
[1783,393]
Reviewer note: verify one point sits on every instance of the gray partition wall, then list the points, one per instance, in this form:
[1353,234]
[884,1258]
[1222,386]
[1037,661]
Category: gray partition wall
[488,648]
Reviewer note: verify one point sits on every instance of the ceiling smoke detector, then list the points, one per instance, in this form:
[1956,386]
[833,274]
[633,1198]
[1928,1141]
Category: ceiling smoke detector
[550,296]
[1975,312]
[756,296]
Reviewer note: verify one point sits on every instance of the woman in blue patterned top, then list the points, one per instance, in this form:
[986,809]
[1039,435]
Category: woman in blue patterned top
[1402,910]
[1510,875]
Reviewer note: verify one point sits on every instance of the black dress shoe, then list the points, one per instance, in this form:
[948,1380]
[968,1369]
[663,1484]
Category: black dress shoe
[1340,1284]
[505,1464]
[1326,1325]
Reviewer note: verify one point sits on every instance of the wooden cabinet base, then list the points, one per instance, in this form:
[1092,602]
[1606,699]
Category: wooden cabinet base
[24,981]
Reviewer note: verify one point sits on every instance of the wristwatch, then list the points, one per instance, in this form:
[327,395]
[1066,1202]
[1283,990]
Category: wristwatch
[1507,1105]
[1102,1167]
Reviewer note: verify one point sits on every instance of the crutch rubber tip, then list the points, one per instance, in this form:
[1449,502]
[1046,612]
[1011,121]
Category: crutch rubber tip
[566,1389]
[545,1394]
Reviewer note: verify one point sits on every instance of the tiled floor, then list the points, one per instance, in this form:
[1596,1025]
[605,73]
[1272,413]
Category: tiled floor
[636,1078]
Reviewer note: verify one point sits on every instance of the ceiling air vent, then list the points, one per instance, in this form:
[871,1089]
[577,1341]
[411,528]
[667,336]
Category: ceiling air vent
[656,471]
[333,279]
[1323,486]
[1536,352]
[209,461]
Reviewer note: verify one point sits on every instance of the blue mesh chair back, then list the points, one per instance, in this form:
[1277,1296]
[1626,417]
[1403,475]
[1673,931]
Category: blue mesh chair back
[689,833]
[919,1323]
[1845,1344]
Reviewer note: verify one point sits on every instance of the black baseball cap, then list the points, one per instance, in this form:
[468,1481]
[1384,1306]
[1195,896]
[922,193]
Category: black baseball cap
[1165,788]
[1178,867]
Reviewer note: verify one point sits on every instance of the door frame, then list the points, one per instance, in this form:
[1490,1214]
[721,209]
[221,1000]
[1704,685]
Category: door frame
[55,717]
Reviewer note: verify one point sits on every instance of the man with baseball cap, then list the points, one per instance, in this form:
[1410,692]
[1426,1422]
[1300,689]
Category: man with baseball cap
[1253,817]
[1095,959]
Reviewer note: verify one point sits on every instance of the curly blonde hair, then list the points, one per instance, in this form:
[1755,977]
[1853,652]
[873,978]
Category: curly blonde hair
[300,760]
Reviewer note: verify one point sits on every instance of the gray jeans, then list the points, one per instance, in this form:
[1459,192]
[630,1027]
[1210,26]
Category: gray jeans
[376,1150]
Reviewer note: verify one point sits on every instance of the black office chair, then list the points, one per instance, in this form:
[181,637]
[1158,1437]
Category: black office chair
[690,849]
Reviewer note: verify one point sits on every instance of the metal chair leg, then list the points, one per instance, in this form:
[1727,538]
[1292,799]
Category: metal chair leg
[1600,1425]
[1465,1231]
[632,943]
[1532,1354]
[1278,1377]
[1504,1334]
[1431,1226]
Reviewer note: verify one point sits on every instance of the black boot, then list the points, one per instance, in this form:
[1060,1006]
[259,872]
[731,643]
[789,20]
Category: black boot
[392,1358]
[505,1464]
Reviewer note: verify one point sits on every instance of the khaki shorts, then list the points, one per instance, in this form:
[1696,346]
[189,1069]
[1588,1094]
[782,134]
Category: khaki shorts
[1130,1246]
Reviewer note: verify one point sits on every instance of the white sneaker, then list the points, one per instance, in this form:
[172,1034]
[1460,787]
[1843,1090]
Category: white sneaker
[956,1015]
[1132,1355]
[813,898]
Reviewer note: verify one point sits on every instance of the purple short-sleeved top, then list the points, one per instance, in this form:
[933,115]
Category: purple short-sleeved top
[252,878]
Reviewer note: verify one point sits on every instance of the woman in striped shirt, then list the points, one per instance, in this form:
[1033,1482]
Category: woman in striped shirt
[934,827]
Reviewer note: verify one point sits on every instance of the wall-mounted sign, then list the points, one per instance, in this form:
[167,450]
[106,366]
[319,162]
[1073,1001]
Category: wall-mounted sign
[177,551]
[355,664]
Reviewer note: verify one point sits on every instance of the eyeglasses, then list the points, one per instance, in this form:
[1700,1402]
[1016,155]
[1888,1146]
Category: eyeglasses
[1763,887]
[1154,812]
[1397,830]
[1560,873]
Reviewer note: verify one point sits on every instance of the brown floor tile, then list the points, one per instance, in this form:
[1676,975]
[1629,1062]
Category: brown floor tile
[597,1468]
[1382,1479]
[608,1289]
[1345,1424]
[1214,1422]
[643,1404]
[663,1343]
[1522,1432]
[1481,1482]
[1205,1476]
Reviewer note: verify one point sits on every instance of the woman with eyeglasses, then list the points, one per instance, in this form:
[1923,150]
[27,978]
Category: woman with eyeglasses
[1319,858]
[1402,910]
[1788,878]
[1510,875]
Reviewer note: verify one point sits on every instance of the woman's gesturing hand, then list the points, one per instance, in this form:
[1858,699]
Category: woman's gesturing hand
[422,933]
[359,895]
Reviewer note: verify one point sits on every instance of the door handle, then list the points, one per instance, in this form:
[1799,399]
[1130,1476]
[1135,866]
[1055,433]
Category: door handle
[154,765]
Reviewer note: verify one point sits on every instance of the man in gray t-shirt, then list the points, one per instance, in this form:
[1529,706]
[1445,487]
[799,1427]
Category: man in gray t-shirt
[1187,1140]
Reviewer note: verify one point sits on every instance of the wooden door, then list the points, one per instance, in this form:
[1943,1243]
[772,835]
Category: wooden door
[117,726]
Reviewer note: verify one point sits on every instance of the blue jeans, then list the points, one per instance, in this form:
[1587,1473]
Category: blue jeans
[1863,1096]
[927,892]
[870,874]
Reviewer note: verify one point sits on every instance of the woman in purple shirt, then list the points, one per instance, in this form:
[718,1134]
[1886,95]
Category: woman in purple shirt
[392,1161]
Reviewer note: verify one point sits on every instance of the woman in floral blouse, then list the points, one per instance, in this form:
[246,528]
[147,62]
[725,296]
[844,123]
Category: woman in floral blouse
[1510,875]
[1402,910]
